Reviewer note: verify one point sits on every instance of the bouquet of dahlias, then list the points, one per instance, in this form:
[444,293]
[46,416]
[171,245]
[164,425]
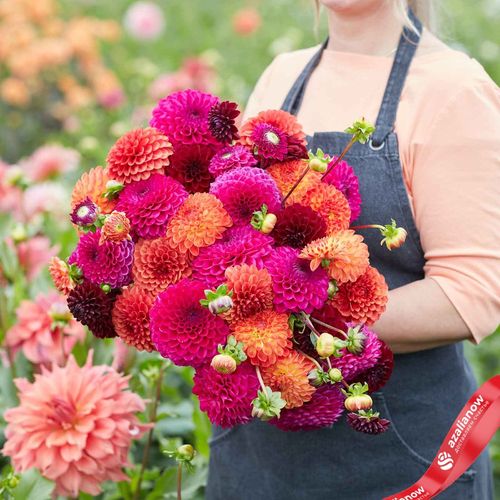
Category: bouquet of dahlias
[231,250]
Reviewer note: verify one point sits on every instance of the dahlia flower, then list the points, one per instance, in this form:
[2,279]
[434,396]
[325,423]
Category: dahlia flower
[50,161]
[109,262]
[244,190]
[372,424]
[139,154]
[144,21]
[183,117]
[269,142]
[200,221]
[116,228]
[377,376]
[363,300]
[221,121]
[150,204]
[45,197]
[84,213]
[229,158]
[296,287]
[227,398]
[59,272]
[44,330]
[75,425]
[92,184]
[33,255]
[183,330]
[239,245]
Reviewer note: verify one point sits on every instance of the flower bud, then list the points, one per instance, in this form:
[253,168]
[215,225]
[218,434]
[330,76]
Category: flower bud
[332,288]
[19,233]
[394,236]
[335,375]
[257,412]
[317,165]
[85,213]
[223,363]
[314,378]
[268,223]
[359,402]
[325,345]
[106,288]
[13,482]
[185,452]
[220,305]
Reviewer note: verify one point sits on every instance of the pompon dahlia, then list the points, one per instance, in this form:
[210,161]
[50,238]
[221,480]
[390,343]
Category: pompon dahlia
[252,291]
[244,190]
[346,181]
[221,121]
[239,245]
[296,287]
[269,142]
[377,376]
[75,425]
[189,165]
[227,398]
[344,253]
[59,272]
[229,158]
[325,407]
[131,317]
[139,154]
[364,300]
[150,204]
[289,376]
[92,184]
[183,117]
[297,226]
[92,307]
[266,336]
[157,264]
[109,262]
[182,329]
[116,228]
[331,204]
[368,424]
[200,222]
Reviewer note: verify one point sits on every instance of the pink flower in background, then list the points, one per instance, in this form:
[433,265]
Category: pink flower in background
[11,196]
[112,99]
[45,197]
[75,425]
[44,327]
[50,161]
[246,21]
[144,21]
[34,254]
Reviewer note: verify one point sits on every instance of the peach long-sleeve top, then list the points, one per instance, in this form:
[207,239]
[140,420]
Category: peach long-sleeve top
[448,127]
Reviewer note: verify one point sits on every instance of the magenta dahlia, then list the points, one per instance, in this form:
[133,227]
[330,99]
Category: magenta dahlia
[189,165]
[183,117]
[182,329]
[85,213]
[150,204]
[269,142]
[107,263]
[296,288]
[325,408]
[239,245]
[227,398]
[377,376]
[244,190]
[231,157]
[221,121]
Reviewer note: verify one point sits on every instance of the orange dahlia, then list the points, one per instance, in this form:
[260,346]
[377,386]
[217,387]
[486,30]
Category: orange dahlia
[289,376]
[331,204]
[252,291]
[344,253]
[364,300]
[92,184]
[266,336]
[116,228]
[138,154]
[158,265]
[199,222]
[59,272]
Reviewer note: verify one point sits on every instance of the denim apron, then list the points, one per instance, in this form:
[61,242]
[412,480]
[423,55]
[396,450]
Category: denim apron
[427,389]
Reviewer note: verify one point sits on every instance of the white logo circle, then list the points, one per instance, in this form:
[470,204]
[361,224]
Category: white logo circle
[445,461]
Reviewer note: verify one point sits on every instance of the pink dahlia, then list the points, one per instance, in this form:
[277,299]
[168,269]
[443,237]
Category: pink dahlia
[183,117]
[239,245]
[269,142]
[325,408]
[346,181]
[231,157]
[75,425]
[50,161]
[144,21]
[150,204]
[244,190]
[182,329]
[34,254]
[296,288]
[227,398]
[107,263]
[45,330]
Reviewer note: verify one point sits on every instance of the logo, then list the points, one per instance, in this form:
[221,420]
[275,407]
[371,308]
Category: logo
[445,461]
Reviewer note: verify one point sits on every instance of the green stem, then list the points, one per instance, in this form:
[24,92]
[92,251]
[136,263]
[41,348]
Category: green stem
[339,158]
[311,359]
[367,226]
[294,187]
[307,321]
[261,380]
[179,481]
[326,325]
[329,363]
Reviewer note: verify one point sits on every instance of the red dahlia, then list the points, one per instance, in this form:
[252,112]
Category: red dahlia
[189,165]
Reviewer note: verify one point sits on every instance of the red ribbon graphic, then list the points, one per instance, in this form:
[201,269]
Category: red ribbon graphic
[468,436]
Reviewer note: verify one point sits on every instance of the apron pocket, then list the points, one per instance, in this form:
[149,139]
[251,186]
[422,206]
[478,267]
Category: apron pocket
[220,434]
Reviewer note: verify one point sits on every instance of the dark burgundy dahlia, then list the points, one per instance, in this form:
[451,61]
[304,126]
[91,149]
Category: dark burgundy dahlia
[368,424]
[221,121]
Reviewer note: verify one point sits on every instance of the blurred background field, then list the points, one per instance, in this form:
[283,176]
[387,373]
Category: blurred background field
[77,74]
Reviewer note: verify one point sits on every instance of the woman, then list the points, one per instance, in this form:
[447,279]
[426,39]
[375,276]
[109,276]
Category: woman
[432,164]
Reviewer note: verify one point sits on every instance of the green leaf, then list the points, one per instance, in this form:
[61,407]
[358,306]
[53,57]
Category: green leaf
[33,487]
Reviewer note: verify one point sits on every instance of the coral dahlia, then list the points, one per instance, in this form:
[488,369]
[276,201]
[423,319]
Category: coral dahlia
[229,158]
[92,184]
[116,228]
[59,272]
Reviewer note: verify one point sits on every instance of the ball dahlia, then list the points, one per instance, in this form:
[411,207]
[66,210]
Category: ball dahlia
[116,228]
[368,424]
[221,121]
[244,190]
[182,329]
[363,300]
[266,336]
[131,317]
[344,252]
[59,272]
[239,245]
[139,154]
[200,221]
[109,262]
[183,117]
[227,398]
[268,142]
[150,204]
[229,158]
[378,375]
[75,425]
[92,184]
[296,287]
